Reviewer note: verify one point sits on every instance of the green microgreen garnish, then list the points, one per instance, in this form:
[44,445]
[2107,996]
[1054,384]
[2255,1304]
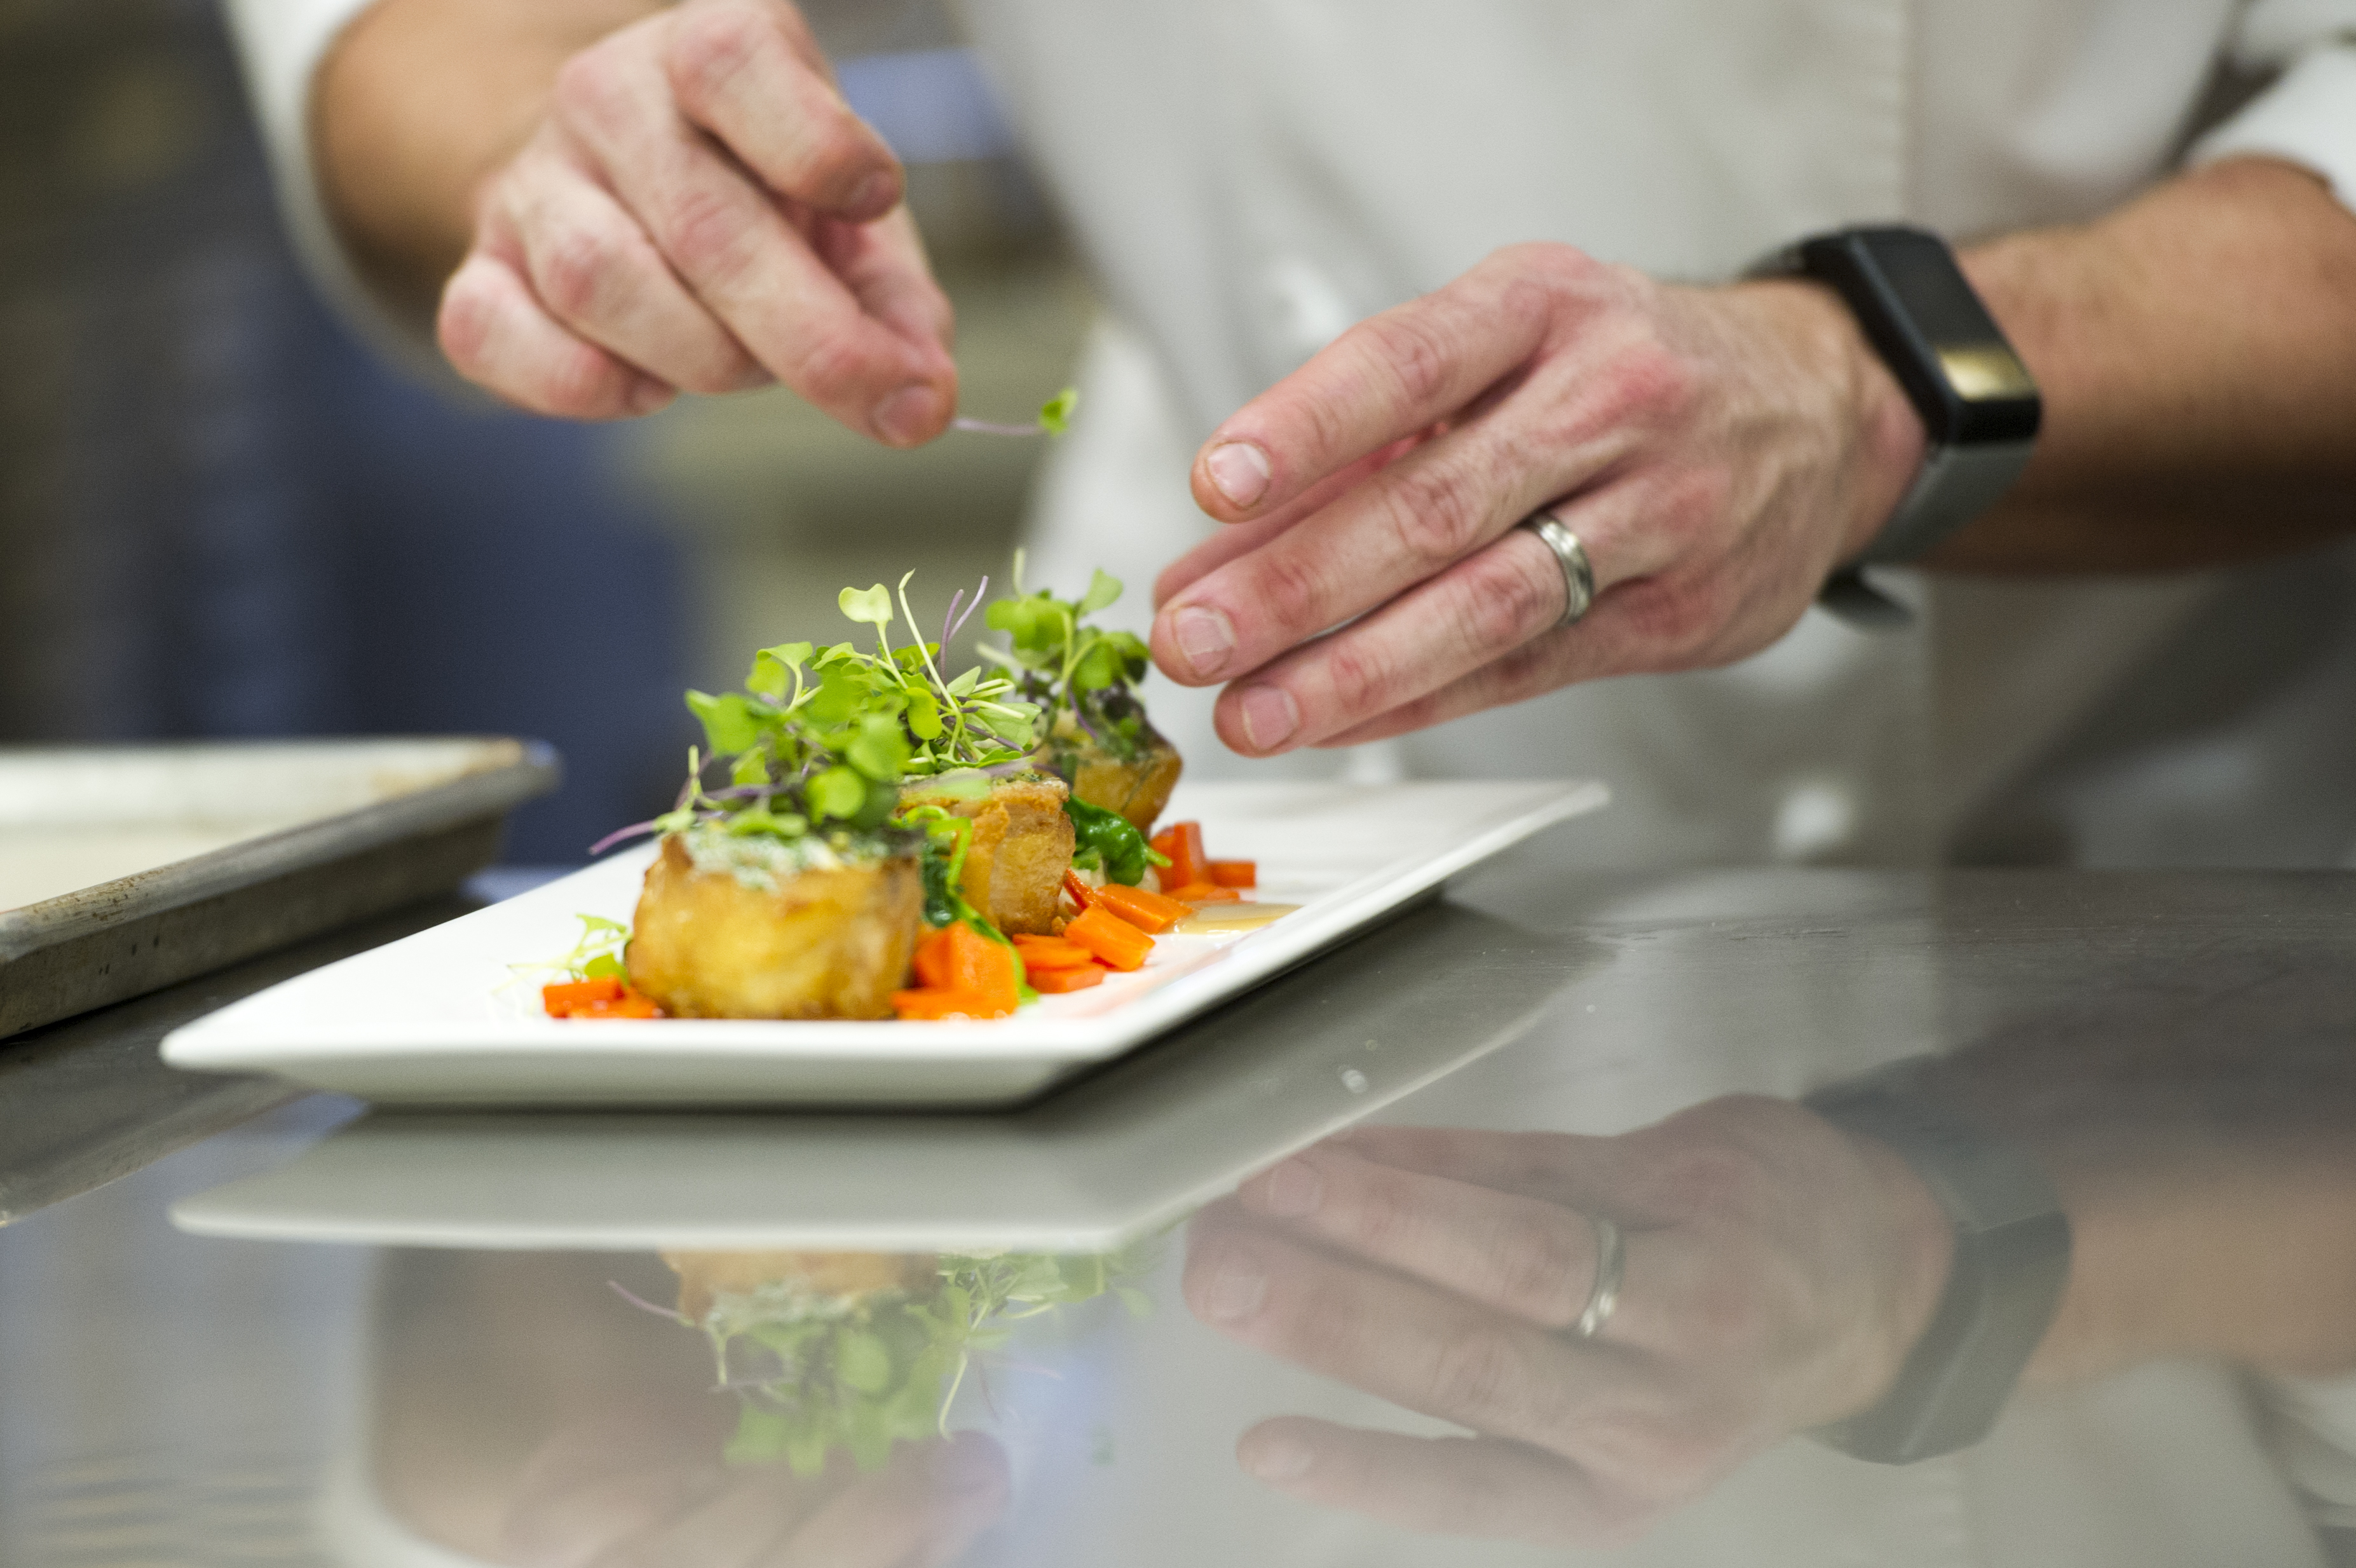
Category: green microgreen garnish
[821,739]
[1083,676]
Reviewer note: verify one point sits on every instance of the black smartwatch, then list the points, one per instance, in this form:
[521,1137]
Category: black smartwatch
[1978,402]
[2012,1261]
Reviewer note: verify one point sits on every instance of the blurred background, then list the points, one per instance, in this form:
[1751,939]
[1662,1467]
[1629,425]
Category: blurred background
[219,515]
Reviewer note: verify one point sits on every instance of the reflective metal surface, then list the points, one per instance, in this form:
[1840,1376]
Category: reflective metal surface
[674,1340]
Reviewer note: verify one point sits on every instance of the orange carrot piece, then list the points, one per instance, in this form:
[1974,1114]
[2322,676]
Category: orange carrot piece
[1234,873]
[985,967]
[1204,893]
[932,962]
[1049,952]
[1054,982]
[1146,911]
[1182,843]
[930,1005]
[1114,940]
[629,1004]
[566,998]
[1082,893]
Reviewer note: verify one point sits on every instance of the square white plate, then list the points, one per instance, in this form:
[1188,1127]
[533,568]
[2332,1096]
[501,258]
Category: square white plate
[447,1017]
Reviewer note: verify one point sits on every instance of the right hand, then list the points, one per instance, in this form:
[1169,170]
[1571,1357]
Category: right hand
[699,210]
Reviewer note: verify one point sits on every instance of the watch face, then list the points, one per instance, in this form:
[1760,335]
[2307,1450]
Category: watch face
[1928,324]
[1984,372]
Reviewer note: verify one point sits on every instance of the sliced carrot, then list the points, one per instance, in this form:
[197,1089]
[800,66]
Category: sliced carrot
[930,1005]
[569,997]
[1146,911]
[1082,893]
[1235,872]
[985,967]
[1054,982]
[1204,893]
[629,1004]
[932,962]
[1050,952]
[1114,940]
[1182,843]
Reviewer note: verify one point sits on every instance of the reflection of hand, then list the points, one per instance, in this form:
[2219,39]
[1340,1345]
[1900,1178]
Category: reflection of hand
[1720,450]
[601,1496]
[700,209]
[1777,1270]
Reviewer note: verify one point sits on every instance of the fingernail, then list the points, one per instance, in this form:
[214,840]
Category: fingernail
[908,415]
[1275,1456]
[1269,717]
[1236,1293]
[1206,637]
[1239,470]
[1294,1190]
[872,192]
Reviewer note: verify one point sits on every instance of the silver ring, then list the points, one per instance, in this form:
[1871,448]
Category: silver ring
[1577,576]
[1610,1257]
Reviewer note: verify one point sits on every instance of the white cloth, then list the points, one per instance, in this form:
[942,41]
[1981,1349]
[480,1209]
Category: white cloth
[1249,176]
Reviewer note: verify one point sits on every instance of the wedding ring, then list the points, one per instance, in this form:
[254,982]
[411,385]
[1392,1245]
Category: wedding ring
[1577,576]
[1611,1256]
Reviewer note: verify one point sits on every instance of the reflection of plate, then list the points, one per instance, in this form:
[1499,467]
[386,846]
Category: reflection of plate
[435,1018]
[1136,1147]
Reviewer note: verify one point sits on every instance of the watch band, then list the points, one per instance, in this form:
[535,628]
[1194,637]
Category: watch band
[1980,406]
[2011,1263]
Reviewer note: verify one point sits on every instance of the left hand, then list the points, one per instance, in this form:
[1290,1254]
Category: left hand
[1777,1270]
[1717,451]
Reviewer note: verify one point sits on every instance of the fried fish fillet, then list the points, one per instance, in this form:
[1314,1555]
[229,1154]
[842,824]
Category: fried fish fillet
[831,942]
[1138,790]
[1021,848]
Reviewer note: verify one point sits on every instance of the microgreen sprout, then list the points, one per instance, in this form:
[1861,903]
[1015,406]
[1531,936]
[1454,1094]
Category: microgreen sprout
[599,954]
[1054,419]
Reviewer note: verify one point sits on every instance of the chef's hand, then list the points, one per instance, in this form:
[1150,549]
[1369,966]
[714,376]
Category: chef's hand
[1716,451]
[699,209]
[601,1494]
[1776,1271]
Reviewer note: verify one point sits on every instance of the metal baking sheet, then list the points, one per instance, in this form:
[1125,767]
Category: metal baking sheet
[124,869]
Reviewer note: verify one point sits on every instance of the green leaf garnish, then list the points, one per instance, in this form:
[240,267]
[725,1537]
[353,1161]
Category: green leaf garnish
[1056,413]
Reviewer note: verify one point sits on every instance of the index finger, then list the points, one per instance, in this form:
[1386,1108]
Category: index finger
[1385,379]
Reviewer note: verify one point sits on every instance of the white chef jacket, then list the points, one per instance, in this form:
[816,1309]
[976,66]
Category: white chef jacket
[1249,176]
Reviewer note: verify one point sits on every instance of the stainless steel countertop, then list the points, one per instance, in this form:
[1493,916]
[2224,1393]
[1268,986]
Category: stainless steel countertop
[308,1339]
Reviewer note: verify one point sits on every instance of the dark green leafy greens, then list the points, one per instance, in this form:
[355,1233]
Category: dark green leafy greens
[1110,842]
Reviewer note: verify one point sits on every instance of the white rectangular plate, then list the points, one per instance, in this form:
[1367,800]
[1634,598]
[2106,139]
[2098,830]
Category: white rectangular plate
[448,1017]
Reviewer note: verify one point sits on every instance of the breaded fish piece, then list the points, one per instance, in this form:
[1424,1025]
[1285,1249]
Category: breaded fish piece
[828,943]
[1138,790]
[1022,846]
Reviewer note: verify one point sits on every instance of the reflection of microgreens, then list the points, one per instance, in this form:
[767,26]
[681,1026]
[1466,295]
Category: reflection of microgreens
[821,739]
[1069,667]
[1054,419]
[814,1374]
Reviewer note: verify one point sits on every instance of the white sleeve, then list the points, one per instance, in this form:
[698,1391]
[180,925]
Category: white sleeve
[280,44]
[2307,116]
